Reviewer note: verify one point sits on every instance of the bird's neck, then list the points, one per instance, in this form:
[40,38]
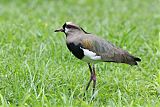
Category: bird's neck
[74,33]
[72,37]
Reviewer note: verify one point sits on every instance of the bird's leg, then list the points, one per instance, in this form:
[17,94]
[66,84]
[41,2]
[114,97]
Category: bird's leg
[90,68]
[94,78]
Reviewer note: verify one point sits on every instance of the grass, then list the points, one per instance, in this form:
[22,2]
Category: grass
[36,68]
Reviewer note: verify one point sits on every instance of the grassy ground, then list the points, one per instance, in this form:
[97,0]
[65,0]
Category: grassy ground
[36,68]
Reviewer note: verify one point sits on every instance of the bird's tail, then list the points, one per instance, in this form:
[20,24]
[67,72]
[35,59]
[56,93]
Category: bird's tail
[137,59]
[133,60]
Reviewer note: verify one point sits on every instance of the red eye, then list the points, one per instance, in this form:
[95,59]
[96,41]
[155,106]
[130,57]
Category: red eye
[68,26]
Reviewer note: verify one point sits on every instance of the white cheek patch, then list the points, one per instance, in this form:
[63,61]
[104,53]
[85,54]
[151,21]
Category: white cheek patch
[90,56]
[66,30]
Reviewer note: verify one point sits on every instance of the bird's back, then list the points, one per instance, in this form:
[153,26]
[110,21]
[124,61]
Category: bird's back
[105,49]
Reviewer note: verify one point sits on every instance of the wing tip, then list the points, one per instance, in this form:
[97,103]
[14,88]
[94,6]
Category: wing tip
[137,59]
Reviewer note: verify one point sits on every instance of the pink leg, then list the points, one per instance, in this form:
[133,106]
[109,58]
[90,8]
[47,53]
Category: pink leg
[90,77]
[94,79]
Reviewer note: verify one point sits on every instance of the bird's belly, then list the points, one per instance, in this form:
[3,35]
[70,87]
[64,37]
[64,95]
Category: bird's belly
[91,60]
[90,57]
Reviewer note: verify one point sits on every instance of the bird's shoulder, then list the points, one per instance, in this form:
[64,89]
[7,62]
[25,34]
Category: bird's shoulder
[96,43]
[93,43]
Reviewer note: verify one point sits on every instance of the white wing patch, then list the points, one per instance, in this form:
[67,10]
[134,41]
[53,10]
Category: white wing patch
[90,56]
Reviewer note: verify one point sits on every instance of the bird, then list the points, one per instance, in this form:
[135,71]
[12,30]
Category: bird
[93,49]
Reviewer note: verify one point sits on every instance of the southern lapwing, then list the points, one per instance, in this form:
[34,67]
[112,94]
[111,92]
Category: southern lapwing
[92,49]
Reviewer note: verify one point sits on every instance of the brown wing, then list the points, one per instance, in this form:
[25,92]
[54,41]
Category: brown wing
[107,51]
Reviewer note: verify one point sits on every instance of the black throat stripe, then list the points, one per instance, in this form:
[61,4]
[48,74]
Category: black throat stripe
[76,50]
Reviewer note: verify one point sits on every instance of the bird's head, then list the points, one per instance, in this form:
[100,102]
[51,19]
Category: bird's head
[69,27]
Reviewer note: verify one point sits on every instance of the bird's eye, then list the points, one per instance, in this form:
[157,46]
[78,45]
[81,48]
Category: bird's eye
[68,26]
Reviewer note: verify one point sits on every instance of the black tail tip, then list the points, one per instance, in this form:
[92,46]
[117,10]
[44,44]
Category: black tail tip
[137,59]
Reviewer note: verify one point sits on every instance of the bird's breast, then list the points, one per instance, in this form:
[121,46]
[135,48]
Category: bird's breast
[83,54]
[76,50]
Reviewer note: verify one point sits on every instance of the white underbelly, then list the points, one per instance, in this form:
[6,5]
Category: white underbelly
[92,60]
[90,57]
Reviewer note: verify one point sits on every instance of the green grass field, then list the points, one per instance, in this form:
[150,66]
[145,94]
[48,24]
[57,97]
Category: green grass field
[36,68]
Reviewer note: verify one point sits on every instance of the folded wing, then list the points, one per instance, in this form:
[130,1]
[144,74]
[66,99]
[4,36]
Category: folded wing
[107,51]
